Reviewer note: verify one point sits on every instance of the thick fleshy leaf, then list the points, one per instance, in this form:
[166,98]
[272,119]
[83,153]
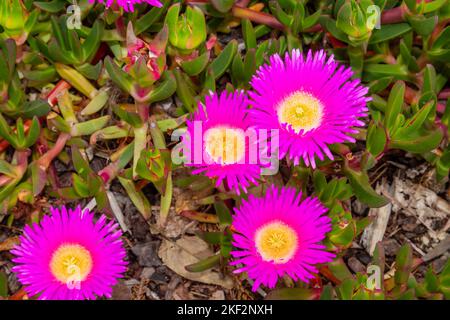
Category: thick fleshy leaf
[359,181]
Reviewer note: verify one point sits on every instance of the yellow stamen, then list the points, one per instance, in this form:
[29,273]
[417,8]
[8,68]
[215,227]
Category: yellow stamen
[276,242]
[225,145]
[301,111]
[71,262]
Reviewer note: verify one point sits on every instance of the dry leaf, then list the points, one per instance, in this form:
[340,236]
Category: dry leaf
[188,250]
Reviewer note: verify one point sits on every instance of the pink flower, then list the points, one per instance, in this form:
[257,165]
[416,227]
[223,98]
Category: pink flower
[313,102]
[279,234]
[128,5]
[68,256]
[217,143]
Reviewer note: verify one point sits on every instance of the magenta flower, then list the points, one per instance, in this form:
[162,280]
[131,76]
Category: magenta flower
[68,256]
[279,235]
[217,144]
[128,5]
[311,100]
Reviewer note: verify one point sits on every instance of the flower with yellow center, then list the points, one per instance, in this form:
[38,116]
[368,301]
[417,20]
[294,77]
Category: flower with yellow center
[225,145]
[70,255]
[278,235]
[276,242]
[219,137]
[313,100]
[71,262]
[301,111]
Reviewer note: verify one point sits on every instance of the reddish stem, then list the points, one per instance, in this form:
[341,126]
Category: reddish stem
[242,3]
[142,109]
[444,94]
[109,172]
[394,15]
[19,295]
[326,272]
[101,53]
[4,180]
[411,97]
[52,97]
[258,17]
[335,42]
[47,158]
[21,164]
[120,26]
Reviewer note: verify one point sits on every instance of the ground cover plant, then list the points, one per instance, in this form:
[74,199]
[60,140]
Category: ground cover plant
[158,149]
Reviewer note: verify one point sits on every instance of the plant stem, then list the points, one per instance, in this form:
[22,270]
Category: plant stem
[44,161]
[20,161]
[258,17]
[394,15]
[140,133]
[52,97]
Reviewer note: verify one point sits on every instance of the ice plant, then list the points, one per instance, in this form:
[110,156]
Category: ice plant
[149,54]
[68,256]
[216,141]
[311,99]
[128,5]
[187,30]
[16,21]
[279,234]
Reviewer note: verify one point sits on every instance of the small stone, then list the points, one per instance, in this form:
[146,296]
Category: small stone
[391,246]
[218,295]
[159,278]
[409,224]
[147,253]
[410,235]
[121,291]
[147,273]
[420,229]
[355,265]
[364,257]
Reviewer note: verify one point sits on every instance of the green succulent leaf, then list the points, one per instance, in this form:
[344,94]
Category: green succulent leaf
[188,31]
[224,213]
[394,106]
[403,263]
[196,66]
[222,5]
[204,264]
[376,139]
[359,180]
[220,64]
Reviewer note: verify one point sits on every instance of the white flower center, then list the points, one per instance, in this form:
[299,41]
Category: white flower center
[276,242]
[71,263]
[301,111]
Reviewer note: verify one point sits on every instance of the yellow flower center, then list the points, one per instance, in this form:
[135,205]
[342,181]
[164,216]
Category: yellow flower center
[71,263]
[301,111]
[225,145]
[276,242]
